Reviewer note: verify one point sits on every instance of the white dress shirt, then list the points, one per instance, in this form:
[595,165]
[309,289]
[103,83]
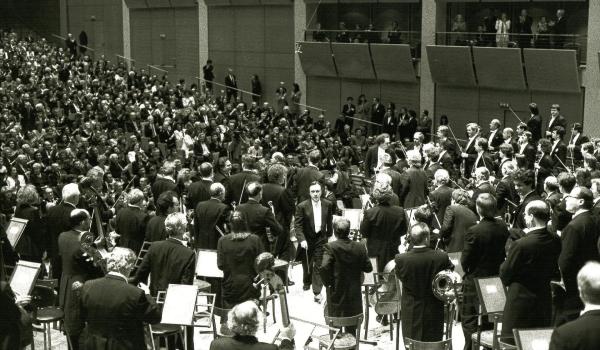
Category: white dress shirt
[317,214]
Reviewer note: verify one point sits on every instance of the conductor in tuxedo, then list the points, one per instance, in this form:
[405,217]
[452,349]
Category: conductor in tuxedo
[243,321]
[579,245]
[313,226]
[114,311]
[131,221]
[344,262]
[169,262]
[58,220]
[531,264]
[422,313]
[582,333]
[482,255]
[210,218]
[260,219]
[231,85]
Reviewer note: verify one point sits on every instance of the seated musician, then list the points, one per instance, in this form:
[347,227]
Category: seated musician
[243,320]
[113,310]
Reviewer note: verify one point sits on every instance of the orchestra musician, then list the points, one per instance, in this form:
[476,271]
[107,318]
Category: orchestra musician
[469,153]
[445,144]
[131,221]
[344,262]
[481,257]
[595,188]
[169,262]
[483,158]
[414,182]
[313,227]
[584,332]
[199,190]
[386,168]
[305,176]
[441,196]
[526,153]
[260,219]
[457,219]
[523,180]
[560,216]
[280,197]
[431,158]
[505,154]
[422,313]
[534,124]
[237,182]
[165,180]
[375,154]
[482,183]
[210,216]
[559,149]
[505,188]
[556,119]
[76,269]
[167,203]
[382,226]
[579,245]
[114,311]
[494,137]
[58,220]
[31,245]
[544,165]
[552,191]
[527,273]
[243,321]
[574,146]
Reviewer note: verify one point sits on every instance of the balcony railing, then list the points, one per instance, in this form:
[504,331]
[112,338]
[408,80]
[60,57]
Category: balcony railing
[537,41]
[412,38]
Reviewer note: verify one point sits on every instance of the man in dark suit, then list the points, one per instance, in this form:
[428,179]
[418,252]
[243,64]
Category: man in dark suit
[58,220]
[526,152]
[494,137]
[377,113]
[559,149]
[348,111]
[344,262]
[441,197]
[458,217]
[523,27]
[131,221]
[482,183]
[166,204]
[210,218]
[482,157]
[76,268]
[584,332]
[382,226]
[579,245]
[313,226]
[208,75]
[390,122]
[559,28]
[531,264]
[523,180]
[469,153]
[482,255]
[283,205]
[164,181]
[422,313]
[534,124]
[560,215]
[374,158]
[231,85]
[199,190]
[307,175]
[260,219]
[414,182]
[169,262]
[387,169]
[556,119]
[243,320]
[113,310]
[574,146]
[506,194]
[237,183]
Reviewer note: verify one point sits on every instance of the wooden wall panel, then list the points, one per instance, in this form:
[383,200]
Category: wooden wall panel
[451,65]
[323,92]
[499,68]
[393,63]
[353,61]
[552,70]
[460,104]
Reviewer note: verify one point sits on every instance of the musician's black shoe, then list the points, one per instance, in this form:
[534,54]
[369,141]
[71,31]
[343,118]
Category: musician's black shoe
[306,287]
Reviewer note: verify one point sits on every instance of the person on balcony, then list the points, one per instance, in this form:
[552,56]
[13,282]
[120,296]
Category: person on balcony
[502,30]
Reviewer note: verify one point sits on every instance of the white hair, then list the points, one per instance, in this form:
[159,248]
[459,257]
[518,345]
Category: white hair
[176,223]
[442,176]
[70,192]
[135,196]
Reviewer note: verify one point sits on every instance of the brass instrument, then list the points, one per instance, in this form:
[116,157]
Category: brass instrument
[446,286]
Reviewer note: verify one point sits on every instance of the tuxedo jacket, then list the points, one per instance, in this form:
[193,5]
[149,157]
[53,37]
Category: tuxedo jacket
[382,226]
[237,183]
[302,180]
[57,221]
[371,159]
[304,223]
[198,191]
[534,125]
[131,225]
[207,216]
[484,248]
[259,218]
[560,152]
[558,121]
[580,334]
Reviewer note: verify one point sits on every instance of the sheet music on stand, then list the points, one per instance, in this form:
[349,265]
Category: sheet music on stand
[24,276]
[206,264]
[180,304]
[354,216]
[15,229]
[369,277]
[491,293]
[533,339]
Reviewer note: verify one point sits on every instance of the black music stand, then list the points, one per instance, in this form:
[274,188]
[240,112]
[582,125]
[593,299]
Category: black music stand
[15,229]
[369,282]
[24,276]
[533,338]
[206,264]
[492,298]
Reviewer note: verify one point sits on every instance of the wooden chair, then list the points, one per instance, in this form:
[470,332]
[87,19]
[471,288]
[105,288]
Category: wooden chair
[412,344]
[44,299]
[142,253]
[388,302]
[343,340]
[219,332]
[203,314]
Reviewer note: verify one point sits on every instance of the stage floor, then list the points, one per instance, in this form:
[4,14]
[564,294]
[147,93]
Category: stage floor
[301,305]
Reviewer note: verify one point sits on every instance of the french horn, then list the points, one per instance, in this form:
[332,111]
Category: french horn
[445,285]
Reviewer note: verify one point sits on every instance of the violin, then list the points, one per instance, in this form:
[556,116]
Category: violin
[385,299]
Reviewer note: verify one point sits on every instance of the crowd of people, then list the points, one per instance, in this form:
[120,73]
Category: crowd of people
[93,146]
